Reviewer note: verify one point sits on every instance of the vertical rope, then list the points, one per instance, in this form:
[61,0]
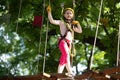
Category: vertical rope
[96,35]
[45,47]
[45,42]
[18,19]
[62,6]
[118,48]
[49,3]
[13,47]
[18,15]
[73,45]
[39,48]
[8,20]
[74,4]
[42,25]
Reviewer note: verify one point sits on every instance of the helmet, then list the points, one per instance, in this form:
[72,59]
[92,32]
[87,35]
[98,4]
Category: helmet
[68,9]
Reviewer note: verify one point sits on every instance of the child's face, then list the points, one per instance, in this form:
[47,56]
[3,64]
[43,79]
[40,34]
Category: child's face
[68,15]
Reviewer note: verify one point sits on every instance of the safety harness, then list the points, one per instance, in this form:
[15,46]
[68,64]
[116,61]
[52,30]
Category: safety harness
[70,28]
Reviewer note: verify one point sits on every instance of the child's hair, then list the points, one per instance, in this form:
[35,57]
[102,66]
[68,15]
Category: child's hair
[68,9]
[65,11]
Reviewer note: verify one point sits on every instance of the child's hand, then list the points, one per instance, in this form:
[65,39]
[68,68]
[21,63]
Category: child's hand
[75,22]
[49,9]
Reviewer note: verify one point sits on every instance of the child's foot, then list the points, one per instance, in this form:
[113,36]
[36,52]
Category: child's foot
[69,75]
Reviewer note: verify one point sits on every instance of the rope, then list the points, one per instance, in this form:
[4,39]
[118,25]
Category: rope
[62,7]
[118,48]
[74,5]
[45,43]
[42,24]
[96,35]
[17,22]
[49,3]
[18,15]
[39,48]
[73,45]
[45,47]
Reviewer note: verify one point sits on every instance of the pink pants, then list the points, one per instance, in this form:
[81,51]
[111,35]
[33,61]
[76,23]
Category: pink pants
[64,47]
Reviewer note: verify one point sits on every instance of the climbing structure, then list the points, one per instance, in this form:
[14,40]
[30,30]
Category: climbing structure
[107,74]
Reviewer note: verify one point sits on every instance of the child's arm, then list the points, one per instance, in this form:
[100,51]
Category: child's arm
[77,29]
[56,22]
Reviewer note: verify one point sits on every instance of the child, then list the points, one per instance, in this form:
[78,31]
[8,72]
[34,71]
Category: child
[67,26]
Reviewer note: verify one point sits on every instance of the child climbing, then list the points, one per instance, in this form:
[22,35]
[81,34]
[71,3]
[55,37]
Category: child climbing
[67,26]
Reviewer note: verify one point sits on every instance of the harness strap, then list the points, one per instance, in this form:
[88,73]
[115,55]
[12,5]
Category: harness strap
[63,37]
[70,28]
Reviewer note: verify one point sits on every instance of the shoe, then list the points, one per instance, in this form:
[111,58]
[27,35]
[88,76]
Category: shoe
[70,75]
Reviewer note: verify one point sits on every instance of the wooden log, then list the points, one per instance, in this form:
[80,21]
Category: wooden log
[87,75]
[111,70]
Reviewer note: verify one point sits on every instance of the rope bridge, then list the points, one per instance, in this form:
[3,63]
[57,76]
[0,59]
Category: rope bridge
[107,74]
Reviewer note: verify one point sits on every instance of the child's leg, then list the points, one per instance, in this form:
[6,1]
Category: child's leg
[68,66]
[60,68]
[65,57]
